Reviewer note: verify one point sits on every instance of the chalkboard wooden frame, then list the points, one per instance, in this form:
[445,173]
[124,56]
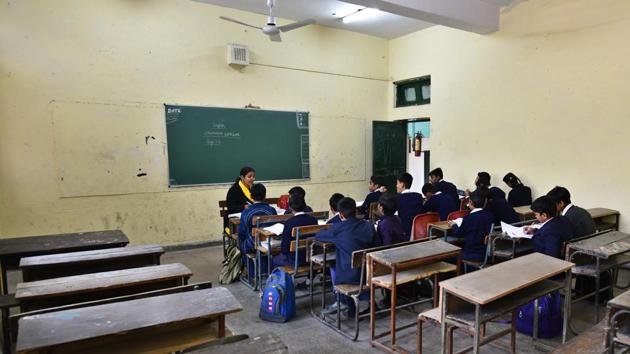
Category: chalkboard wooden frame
[207,145]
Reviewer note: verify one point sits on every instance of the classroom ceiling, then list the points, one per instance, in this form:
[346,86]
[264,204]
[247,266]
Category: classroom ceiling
[398,17]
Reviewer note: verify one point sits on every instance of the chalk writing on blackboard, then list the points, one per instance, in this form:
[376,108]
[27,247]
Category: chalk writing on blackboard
[221,135]
[302,120]
[304,148]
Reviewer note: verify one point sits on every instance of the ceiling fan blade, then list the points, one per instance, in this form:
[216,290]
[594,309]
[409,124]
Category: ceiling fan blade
[239,22]
[294,25]
[275,37]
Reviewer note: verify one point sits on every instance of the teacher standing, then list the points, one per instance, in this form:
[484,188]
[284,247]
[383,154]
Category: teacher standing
[239,196]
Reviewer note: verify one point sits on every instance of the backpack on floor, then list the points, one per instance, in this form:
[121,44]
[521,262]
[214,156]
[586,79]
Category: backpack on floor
[277,303]
[549,317]
[231,266]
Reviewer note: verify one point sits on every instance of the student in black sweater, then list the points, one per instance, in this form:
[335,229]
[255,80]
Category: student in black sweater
[436,177]
[376,188]
[520,195]
[239,195]
[581,221]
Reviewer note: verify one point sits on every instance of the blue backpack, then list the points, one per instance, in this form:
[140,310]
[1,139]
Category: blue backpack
[277,303]
[549,317]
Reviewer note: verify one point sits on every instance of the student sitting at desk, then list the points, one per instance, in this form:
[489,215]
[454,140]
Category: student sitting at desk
[581,221]
[552,231]
[438,202]
[474,227]
[389,227]
[332,202]
[299,191]
[520,195]
[286,257]
[239,195]
[376,188]
[409,203]
[245,238]
[350,235]
[496,204]
[436,177]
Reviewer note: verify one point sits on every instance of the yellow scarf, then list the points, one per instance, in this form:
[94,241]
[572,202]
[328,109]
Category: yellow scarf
[245,190]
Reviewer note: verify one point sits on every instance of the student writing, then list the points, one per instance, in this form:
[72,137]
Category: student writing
[474,227]
[552,231]
[438,202]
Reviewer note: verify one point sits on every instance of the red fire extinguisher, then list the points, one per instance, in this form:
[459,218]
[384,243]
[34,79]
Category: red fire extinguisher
[417,146]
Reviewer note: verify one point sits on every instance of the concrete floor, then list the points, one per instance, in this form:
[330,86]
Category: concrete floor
[304,334]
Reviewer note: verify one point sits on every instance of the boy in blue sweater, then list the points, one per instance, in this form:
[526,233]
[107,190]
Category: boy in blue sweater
[474,227]
[332,202]
[300,192]
[376,188]
[389,227]
[436,177]
[286,257]
[497,204]
[552,230]
[438,202]
[259,207]
[409,203]
[350,235]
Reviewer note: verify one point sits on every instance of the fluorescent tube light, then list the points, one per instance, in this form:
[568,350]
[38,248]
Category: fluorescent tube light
[361,15]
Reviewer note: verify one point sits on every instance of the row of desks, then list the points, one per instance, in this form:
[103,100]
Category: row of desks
[106,298]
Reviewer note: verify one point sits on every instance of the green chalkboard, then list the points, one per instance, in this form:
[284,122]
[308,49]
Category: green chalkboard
[209,145]
[389,154]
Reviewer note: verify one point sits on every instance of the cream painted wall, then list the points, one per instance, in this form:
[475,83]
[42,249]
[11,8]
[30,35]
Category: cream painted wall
[545,97]
[133,56]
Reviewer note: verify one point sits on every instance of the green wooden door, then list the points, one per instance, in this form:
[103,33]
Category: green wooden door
[389,151]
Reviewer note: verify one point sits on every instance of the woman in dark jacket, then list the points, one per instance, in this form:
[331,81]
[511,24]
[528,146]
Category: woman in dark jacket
[239,196]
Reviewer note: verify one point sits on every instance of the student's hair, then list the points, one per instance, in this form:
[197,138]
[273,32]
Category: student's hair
[378,180]
[545,204]
[560,194]
[406,179]
[389,203]
[511,180]
[244,171]
[437,172]
[297,203]
[259,192]
[347,207]
[479,197]
[297,190]
[484,179]
[428,188]
[334,200]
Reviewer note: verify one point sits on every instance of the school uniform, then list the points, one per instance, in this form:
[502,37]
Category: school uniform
[581,221]
[390,230]
[448,189]
[307,209]
[236,201]
[245,227]
[409,205]
[520,195]
[348,236]
[286,257]
[474,229]
[500,209]
[440,203]
[334,220]
[550,236]
[372,197]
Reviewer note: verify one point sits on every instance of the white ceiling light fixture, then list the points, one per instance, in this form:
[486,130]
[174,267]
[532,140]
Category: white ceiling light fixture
[363,14]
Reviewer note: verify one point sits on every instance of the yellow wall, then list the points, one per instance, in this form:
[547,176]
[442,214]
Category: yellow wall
[91,76]
[545,97]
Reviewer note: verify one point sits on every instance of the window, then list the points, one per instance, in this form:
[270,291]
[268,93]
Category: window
[413,92]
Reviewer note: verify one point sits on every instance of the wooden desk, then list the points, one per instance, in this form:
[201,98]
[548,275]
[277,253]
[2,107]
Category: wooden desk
[166,323]
[416,261]
[512,246]
[12,249]
[617,318]
[607,249]
[442,226]
[84,262]
[80,288]
[478,297]
[268,343]
[524,212]
[599,215]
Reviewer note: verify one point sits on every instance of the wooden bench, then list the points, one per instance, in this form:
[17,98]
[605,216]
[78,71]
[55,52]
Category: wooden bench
[80,288]
[166,323]
[267,343]
[85,262]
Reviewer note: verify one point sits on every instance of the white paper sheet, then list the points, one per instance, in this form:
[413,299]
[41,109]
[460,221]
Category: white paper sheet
[274,244]
[514,231]
[458,221]
[275,229]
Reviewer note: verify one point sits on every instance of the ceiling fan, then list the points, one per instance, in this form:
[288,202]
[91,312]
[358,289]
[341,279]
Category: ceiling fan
[270,28]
